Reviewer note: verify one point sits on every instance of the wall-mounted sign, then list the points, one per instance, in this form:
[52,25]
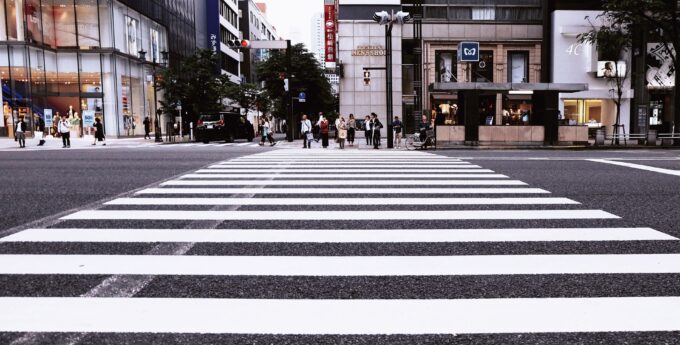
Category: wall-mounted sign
[330,21]
[369,51]
[660,70]
[611,69]
[468,52]
[131,25]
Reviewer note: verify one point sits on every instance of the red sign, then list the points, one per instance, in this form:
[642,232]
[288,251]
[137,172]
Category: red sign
[330,31]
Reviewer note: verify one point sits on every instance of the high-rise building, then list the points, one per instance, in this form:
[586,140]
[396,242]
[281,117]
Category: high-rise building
[317,39]
[254,26]
[89,58]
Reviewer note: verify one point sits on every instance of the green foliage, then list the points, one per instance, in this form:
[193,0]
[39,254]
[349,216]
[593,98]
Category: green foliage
[244,95]
[305,76]
[612,39]
[194,83]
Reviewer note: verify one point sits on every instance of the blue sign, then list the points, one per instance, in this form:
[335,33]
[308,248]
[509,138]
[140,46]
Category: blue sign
[302,95]
[48,118]
[213,27]
[468,52]
[88,118]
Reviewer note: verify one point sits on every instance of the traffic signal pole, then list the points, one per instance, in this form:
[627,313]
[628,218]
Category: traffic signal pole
[388,84]
[289,98]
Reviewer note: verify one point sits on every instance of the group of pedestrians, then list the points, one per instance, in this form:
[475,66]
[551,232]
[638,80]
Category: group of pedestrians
[345,131]
[63,131]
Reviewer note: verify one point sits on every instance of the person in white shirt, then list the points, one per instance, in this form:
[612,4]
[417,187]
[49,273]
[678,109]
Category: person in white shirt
[306,130]
[20,132]
[65,131]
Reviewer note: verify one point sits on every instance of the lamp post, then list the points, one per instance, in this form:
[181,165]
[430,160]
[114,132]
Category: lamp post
[389,19]
[154,65]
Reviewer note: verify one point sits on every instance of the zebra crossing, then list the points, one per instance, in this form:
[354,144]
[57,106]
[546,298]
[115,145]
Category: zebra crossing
[334,244]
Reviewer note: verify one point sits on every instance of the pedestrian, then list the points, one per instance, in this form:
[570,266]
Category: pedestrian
[40,130]
[342,132]
[337,123]
[398,129]
[264,128]
[375,126]
[270,132]
[423,127]
[20,132]
[367,130]
[351,129]
[65,131]
[147,128]
[306,130]
[99,132]
[323,127]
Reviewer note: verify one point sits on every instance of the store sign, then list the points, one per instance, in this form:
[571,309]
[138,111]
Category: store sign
[611,69]
[660,70]
[88,118]
[48,118]
[369,51]
[468,52]
[330,22]
[213,27]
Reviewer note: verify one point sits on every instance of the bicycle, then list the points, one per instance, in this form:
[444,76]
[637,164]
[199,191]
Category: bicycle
[413,142]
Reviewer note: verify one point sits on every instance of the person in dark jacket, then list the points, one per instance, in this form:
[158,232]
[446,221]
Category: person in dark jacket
[20,132]
[99,132]
[40,130]
[376,126]
[147,128]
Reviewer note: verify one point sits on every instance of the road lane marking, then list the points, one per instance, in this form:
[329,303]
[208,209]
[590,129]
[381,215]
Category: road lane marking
[339,266]
[346,175]
[339,317]
[337,236]
[339,215]
[342,201]
[355,191]
[335,170]
[638,166]
[339,166]
[305,183]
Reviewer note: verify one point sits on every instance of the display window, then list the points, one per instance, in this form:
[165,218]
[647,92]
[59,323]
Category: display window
[583,112]
[483,71]
[447,66]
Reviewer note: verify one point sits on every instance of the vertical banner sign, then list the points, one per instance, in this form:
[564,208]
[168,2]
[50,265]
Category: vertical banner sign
[48,118]
[88,118]
[213,26]
[330,30]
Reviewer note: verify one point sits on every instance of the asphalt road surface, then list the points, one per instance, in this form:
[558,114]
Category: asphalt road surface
[242,245]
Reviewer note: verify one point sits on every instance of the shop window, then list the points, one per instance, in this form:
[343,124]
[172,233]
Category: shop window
[15,25]
[482,71]
[447,66]
[517,111]
[88,23]
[33,22]
[583,111]
[65,25]
[518,67]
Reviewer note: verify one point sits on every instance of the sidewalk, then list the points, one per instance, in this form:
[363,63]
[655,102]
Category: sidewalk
[76,143]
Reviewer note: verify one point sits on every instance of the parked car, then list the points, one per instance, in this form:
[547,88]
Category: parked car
[225,126]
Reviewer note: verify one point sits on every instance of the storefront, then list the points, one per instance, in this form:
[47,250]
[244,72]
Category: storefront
[80,59]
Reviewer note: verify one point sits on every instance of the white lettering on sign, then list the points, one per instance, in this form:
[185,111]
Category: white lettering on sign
[369,51]
[575,49]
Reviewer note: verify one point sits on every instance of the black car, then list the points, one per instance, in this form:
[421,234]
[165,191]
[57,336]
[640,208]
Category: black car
[223,126]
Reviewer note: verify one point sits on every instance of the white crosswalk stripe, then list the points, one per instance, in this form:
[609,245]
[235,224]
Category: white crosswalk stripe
[289,241]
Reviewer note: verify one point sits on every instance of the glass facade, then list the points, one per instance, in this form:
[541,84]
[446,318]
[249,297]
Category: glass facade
[72,57]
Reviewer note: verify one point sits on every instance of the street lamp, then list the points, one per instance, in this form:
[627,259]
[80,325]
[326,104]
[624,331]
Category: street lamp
[154,65]
[389,19]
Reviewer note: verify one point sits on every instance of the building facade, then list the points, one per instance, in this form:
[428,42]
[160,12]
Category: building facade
[88,59]
[254,27]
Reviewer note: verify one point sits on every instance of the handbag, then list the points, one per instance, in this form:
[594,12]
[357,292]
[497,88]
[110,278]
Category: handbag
[310,136]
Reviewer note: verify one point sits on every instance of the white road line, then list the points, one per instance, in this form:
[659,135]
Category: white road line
[639,166]
[343,176]
[339,317]
[339,215]
[337,236]
[332,170]
[407,163]
[342,201]
[333,266]
[339,166]
[357,191]
[336,159]
[302,183]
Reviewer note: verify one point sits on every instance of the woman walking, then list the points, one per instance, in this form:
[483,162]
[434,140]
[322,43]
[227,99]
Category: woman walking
[99,132]
[264,131]
[323,126]
[351,129]
[342,132]
[147,128]
[367,130]
[270,132]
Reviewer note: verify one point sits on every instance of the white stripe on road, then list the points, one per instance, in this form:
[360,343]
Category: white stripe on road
[332,170]
[303,183]
[429,202]
[334,266]
[639,166]
[338,215]
[357,191]
[244,144]
[335,159]
[339,317]
[339,166]
[405,163]
[356,176]
[337,236]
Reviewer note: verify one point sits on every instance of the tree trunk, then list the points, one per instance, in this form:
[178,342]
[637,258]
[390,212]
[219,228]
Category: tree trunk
[676,102]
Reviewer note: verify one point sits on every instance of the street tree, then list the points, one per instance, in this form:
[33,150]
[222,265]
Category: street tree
[659,16]
[305,76]
[613,42]
[244,95]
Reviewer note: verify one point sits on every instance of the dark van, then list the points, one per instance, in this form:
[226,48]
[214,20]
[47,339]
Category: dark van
[225,126]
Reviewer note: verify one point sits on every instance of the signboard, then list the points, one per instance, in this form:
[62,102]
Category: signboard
[660,70]
[468,52]
[369,51]
[302,97]
[642,118]
[131,25]
[48,118]
[88,118]
[330,30]
[213,28]
[611,69]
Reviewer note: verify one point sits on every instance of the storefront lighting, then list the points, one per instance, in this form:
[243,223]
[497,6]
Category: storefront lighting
[521,92]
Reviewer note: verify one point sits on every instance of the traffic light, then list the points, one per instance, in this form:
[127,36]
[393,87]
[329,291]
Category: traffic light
[367,78]
[238,44]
